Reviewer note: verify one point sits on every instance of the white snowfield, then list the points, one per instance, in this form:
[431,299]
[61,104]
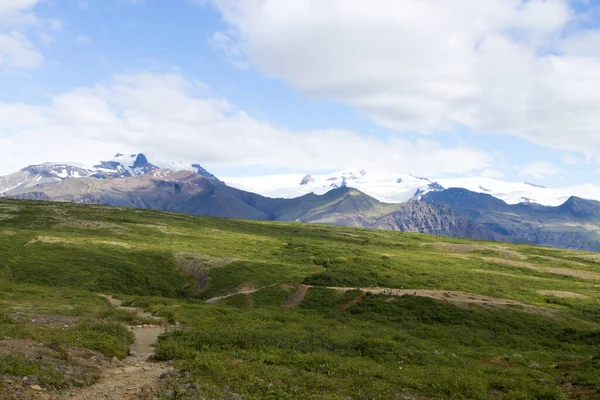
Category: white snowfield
[399,188]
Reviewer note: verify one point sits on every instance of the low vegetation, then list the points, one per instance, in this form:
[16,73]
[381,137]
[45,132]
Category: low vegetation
[534,336]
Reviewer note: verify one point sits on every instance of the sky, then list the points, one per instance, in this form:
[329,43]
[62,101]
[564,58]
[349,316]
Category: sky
[498,88]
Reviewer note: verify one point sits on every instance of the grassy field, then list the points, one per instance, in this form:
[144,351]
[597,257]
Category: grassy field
[533,336]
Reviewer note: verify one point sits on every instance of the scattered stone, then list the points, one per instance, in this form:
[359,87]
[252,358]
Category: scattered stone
[132,370]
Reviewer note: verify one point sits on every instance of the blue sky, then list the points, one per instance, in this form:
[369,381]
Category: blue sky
[247,87]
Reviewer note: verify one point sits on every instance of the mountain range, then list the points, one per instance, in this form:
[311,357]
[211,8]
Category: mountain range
[422,205]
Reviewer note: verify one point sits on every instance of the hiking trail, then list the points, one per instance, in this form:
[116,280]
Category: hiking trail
[135,377]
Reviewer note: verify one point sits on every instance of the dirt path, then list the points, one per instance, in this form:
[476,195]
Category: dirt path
[297,297]
[243,290]
[135,377]
[446,295]
[352,302]
[456,297]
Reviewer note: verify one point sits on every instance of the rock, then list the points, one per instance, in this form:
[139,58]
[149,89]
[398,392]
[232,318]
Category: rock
[37,388]
[132,370]
[114,360]
[306,180]
[118,372]
[31,379]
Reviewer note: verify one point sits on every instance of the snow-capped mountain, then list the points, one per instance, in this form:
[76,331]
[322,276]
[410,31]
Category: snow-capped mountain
[387,188]
[120,166]
[397,188]
[40,175]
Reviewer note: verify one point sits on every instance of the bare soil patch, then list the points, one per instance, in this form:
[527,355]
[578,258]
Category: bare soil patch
[466,248]
[53,321]
[246,288]
[560,293]
[562,260]
[352,302]
[288,288]
[85,224]
[53,240]
[453,255]
[297,297]
[73,367]
[591,276]
[196,266]
[497,362]
[163,229]
[49,239]
[202,260]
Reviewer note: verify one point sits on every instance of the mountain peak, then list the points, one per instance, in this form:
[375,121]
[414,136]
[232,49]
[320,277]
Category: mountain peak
[201,171]
[581,208]
[141,162]
[306,180]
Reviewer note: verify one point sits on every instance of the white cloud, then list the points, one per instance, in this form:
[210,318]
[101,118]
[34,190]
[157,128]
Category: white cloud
[16,19]
[572,159]
[539,170]
[16,50]
[167,116]
[514,67]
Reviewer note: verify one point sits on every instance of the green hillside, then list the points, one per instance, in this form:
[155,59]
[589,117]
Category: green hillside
[284,319]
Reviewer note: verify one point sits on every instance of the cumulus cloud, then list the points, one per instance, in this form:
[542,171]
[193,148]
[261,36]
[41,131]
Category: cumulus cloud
[170,118]
[16,49]
[539,170]
[519,67]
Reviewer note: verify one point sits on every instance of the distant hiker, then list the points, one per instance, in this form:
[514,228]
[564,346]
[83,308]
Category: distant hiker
[415,293]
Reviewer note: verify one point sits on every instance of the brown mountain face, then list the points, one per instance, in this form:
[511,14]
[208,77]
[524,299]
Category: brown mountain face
[418,216]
